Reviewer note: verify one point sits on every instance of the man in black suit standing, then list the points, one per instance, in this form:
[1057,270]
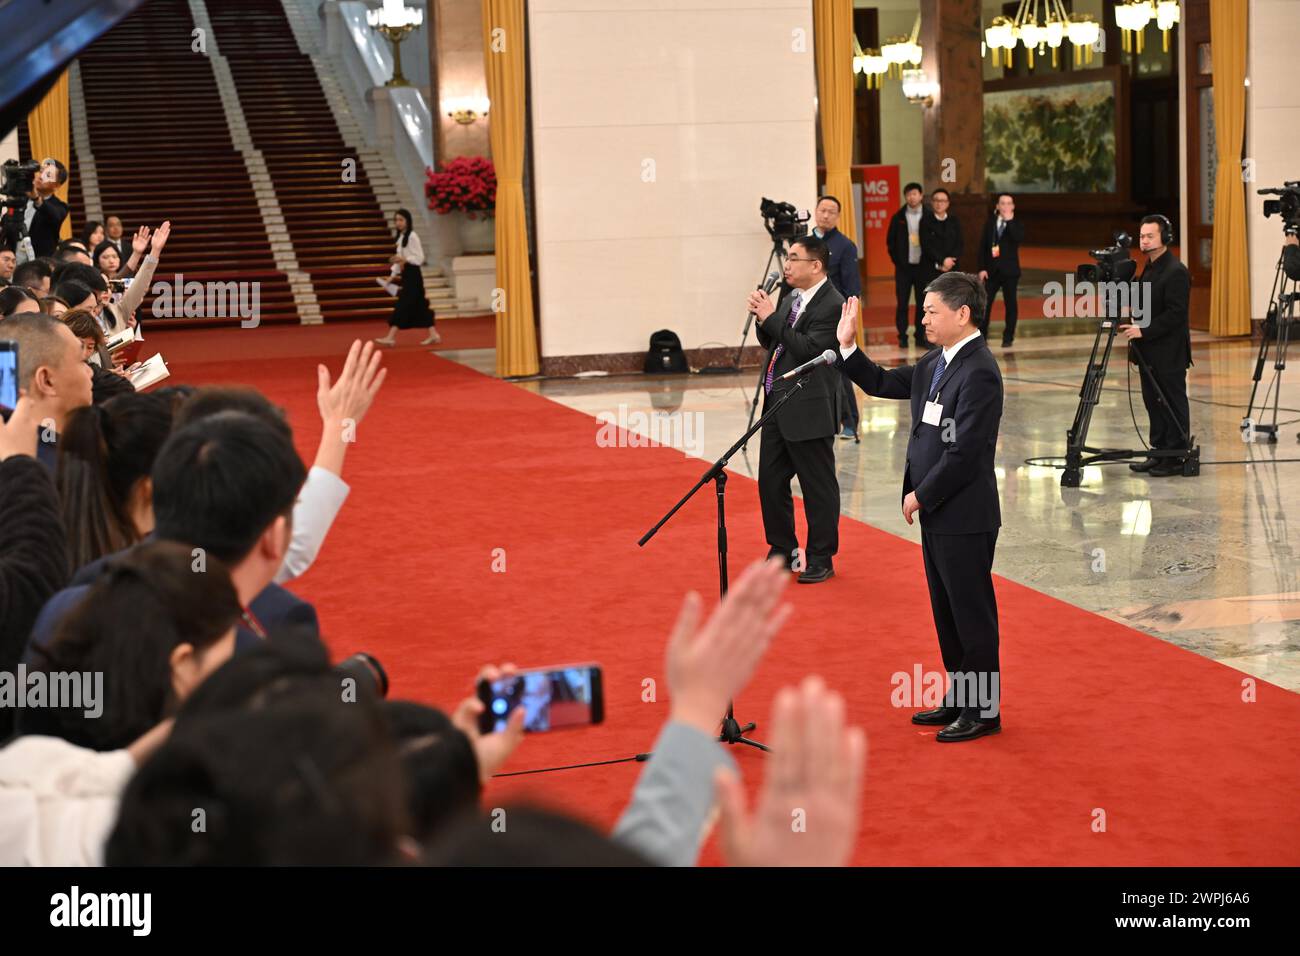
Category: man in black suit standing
[941,236]
[45,210]
[956,397]
[1000,263]
[844,275]
[799,439]
[903,240]
[1163,333]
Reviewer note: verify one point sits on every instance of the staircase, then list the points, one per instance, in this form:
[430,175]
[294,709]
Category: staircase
[238,147]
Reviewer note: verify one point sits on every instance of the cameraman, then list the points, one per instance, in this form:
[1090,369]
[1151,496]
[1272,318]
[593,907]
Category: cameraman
[1291,257]
[46,211]
[1165,339]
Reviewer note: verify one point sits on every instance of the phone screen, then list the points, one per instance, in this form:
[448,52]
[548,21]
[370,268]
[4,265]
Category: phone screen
[8,374]
[562,697]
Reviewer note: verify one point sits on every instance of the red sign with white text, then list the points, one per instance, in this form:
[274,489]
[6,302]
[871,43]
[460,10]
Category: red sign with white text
[880,200]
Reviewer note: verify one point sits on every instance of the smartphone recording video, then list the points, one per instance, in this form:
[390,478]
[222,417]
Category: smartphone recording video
[551,698]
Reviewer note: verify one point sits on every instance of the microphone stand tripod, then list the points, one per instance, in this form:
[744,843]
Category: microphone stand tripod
[732,731]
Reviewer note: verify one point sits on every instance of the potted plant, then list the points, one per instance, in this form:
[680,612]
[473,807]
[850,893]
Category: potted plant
[468,185]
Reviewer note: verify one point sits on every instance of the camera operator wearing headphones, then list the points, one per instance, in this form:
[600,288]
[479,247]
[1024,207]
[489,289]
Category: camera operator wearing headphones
[46,211]
[1164,336]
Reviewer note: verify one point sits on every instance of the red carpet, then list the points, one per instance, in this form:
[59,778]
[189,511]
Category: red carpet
[451,465]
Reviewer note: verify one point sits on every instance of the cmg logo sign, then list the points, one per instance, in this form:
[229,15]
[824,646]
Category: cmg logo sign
[876,187]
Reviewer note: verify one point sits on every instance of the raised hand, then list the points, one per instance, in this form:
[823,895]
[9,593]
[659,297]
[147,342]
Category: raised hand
[141,241]
[708,666]
[350,397]
[848,327]
[807,812]
[492,750]
[160,238]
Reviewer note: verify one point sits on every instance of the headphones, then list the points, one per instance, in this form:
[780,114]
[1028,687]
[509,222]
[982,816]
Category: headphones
[1166,229]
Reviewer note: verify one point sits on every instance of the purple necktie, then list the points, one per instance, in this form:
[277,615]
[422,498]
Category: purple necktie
[795,303]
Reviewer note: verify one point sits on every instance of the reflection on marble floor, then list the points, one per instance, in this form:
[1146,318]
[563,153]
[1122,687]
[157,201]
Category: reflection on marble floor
[1206,563]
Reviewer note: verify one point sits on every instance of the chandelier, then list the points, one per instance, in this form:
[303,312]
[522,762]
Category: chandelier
[1040,25]
[870,63]
[1133,16]
[900,50]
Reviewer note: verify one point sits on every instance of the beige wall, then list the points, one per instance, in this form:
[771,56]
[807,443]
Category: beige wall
[709,99]
[458,59]
[1272,118]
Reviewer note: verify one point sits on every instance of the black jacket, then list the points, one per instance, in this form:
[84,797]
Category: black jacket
[33,558]
[843,267]
[1291,262]
[950,465]
[812,412]
[44,231]
[1007,262]
[939,240]
[1166,341]
[896,239]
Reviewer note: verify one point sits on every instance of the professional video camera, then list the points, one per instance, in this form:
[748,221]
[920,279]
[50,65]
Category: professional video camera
[1113,264]
[18,181]
[1288,207]
[19,178]
[782,221]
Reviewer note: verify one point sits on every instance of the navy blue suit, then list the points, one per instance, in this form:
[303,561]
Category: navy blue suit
[272,608]
[950,467]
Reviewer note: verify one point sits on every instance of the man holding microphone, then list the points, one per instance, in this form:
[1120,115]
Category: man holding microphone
[799,439]
[955,392]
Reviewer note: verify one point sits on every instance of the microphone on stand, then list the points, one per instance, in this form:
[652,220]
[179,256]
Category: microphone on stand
[826,358]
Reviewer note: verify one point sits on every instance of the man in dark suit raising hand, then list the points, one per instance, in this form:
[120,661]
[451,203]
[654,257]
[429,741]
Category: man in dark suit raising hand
[956,397]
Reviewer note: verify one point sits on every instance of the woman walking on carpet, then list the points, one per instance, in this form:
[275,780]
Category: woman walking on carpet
[412,309]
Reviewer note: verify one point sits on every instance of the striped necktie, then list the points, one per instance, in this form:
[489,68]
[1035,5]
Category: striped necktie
[796,301]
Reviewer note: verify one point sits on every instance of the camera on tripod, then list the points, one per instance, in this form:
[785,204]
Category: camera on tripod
[782,221]
[1288,206]
[1111,264]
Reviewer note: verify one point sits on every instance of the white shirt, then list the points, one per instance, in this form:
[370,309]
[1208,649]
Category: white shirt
[58,802]
[318,504]
[413,252]
[951,351]
[806,296]
[913,228]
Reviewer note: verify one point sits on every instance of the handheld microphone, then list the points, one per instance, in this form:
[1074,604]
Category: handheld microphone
[769,284]
[826,358]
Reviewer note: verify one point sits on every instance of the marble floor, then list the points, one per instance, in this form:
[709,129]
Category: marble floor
[1206,563]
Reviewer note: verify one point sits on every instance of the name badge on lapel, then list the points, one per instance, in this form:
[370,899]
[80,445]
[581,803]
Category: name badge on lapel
[997,252]
[933,414]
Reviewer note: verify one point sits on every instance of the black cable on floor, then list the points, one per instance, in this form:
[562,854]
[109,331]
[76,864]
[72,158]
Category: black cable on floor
[639,758]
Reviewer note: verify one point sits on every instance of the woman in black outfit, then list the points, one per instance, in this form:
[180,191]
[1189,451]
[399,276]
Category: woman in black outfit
[412,309]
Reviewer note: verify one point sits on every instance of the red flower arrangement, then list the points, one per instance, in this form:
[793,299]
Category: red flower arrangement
[467,183]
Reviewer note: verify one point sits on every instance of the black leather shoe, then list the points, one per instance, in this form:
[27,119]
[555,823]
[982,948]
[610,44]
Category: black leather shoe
[1141,466]
[787,558]
[967,728]
[816,575]
[1006,343]
[1167,468]
[942,716]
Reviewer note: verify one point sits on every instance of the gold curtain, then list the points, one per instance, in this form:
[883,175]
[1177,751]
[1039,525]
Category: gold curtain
[503,60]
[1229,273]
[50,129]
[833,40]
